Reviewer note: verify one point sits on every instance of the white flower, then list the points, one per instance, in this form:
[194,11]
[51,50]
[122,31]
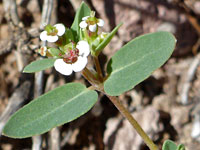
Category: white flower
[67,68]
[92,26]
[43,51]
[53,37]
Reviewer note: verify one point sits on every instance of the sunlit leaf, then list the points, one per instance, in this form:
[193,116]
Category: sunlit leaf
[54,52]
[52,109]
[135,61]
[169,145]
[68,36]
[39,65]
[180,147]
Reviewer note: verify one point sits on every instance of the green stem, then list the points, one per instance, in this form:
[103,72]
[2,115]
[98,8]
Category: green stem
[88,75]
[98,85]
[98,68]
[133,122]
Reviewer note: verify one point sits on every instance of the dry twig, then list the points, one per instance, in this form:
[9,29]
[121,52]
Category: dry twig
[46,12]
[54,139]
[190,76]
[10,9]
[193,21]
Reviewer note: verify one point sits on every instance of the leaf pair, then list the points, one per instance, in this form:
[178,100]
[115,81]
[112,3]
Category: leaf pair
[129,66]
[132,64]
[170,145]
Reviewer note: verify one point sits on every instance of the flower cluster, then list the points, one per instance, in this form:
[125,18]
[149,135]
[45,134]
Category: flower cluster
[91,23]
[71,56]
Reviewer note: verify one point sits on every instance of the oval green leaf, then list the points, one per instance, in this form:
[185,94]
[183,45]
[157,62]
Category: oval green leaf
[39,65]
[68,36]
[180,147]
[135,61]
[169,145]
[54,52]
[52,109]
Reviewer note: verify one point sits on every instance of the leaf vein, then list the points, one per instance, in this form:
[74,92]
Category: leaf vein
[50,112]
[134,62]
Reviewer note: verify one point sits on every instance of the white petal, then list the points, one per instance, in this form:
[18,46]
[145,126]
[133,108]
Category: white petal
[103,35]
[52,38]
[83,24]
[61,29]
[84,48]
[79,64]
[100,23]
[62,67]
[43,36]
[85,18]
[93,28]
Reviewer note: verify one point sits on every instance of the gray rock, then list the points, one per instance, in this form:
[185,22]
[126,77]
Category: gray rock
[167,26]
[120,135]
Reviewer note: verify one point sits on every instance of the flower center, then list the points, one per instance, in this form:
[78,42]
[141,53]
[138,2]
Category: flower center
[53,33]
[91,21]
[51,30]
[71,56]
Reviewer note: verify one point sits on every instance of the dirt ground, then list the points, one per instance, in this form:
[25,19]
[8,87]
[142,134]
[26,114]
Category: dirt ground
[167,104]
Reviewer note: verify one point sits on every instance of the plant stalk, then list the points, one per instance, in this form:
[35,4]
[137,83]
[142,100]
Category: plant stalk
[88,75]
[98,68]
[99,87]
[133,122]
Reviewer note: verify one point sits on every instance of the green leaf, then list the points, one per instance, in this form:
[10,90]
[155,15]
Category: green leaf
[83,11]
[135,61]
[180,147]
[39,65]
[54,52]
[52,109]
[105,42]
[68,36]
[169,145]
